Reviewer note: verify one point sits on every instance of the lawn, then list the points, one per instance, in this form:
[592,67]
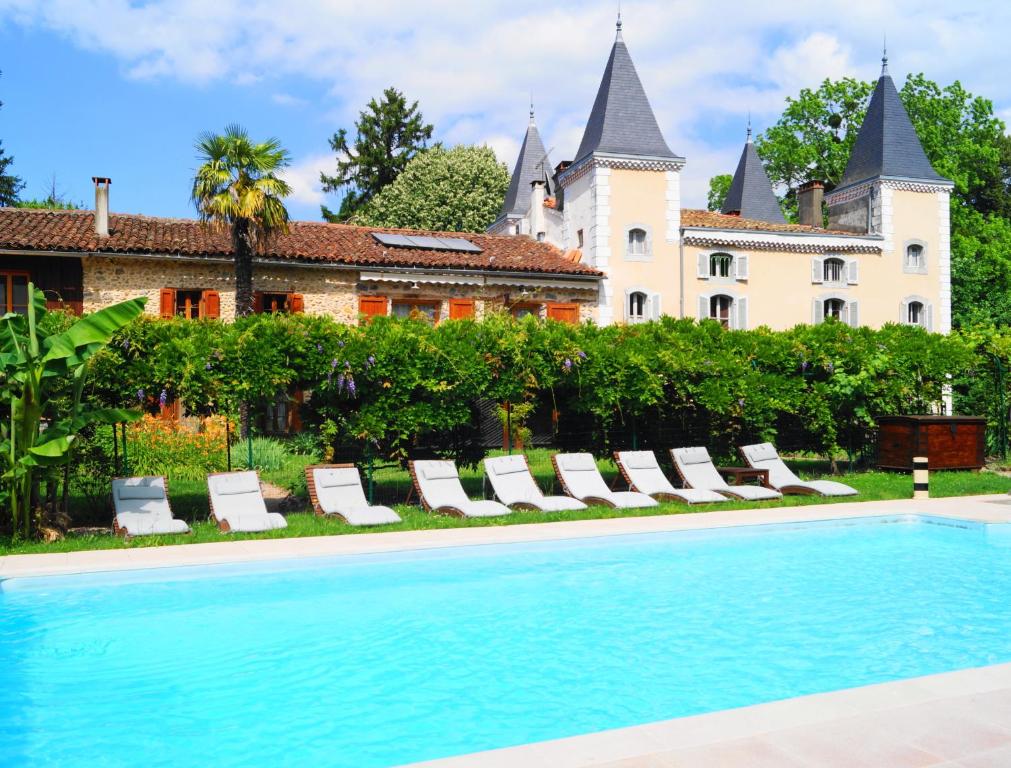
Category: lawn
[392,484]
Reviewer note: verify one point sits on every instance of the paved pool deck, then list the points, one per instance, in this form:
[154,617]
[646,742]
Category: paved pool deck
[958,718]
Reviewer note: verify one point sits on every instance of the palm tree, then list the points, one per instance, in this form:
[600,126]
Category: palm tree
[237,186]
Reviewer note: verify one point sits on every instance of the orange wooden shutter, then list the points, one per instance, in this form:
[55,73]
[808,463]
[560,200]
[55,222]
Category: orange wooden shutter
[461,308]
[372,306]
[258,302]
[296,304]
[566,313]
[212,304]
[168,302]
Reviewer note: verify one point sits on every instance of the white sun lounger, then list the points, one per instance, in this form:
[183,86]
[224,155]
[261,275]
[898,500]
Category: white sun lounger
[142,507]
[439,488]
[697,471]
[765,456]
[336,489]
[579,476]
[642,472]
[237,504]
[515,486]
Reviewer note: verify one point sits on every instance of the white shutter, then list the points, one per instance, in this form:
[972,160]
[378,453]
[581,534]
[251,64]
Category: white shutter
[741,305]
[628,305]
[852,271]
[741,264]
[904,312]
[817,312]
[928,310]
[653,312]
[704,265]
[703,307]
[854,316]
[817,270]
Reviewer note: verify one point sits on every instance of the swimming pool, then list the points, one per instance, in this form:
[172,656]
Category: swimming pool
[387,659]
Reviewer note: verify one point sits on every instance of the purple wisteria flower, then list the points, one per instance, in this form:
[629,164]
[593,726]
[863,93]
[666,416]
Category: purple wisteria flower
[126,345]
[319,347]
[567,364]
[347,364]
[831,367]
[740,402]
[803,366]
[372,360]
[351,387]
[140,395]
[334,363]
[163,398]
[207,367]
[582,355]
[340,344]
[340,382]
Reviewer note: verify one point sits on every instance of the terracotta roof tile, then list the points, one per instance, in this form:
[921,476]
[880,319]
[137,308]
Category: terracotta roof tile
[691,217]
[73,231]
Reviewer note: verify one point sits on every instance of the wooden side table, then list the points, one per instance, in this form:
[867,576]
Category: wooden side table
[740,475]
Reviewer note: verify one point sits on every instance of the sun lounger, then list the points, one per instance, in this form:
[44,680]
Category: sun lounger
[439,488]
[237,504]
[765,456]
[580,478]
[336,489]
[142,507]
[515,486]
[642,472]
[696,469]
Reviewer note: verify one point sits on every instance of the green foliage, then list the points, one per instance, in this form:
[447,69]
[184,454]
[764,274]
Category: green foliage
[457,190]
[269,454]
[388,134]
[37,361]
[719,188]
[48,204]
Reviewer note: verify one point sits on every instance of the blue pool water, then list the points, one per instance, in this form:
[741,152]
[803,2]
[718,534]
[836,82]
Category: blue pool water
[382,660]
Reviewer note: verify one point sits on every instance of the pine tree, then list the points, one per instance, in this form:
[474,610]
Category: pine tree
[388,134]
[10,184]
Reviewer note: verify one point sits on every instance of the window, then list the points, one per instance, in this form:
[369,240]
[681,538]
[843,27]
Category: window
[721,265]
[720,308]
[916,310]
[14,292]
[636,242]
[637,307]
[190,304]
[525,310]
[416,310]
[916,258]
[914,313]
[579,238]
[834,271]
[834,308]
[275,303]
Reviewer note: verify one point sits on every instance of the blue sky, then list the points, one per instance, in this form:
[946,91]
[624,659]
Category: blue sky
[122,89]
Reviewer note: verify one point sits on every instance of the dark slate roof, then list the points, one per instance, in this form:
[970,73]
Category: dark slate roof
[622,121]
[531,165]
[887,144]
[751,195]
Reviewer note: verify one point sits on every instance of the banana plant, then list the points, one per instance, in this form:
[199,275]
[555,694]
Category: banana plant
[33,364]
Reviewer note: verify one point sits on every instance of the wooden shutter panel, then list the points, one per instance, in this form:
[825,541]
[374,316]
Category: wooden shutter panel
[854,316]
[565,313]
[211,302]
[461,308]
[817,311]
[852,271]
[703,307]
[371,306]
[258,302]
[817,270]
[296,303]
[704,265]
[168,302]
[741,305]
[741,265]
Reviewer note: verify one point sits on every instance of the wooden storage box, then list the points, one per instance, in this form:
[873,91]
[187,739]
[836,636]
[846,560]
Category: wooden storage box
[948,442]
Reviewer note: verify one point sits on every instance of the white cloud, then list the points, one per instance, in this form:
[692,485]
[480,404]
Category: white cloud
[303,176]
[287,100]
[473,65]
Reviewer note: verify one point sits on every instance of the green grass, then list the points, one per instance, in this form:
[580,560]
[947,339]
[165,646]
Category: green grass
[189,501]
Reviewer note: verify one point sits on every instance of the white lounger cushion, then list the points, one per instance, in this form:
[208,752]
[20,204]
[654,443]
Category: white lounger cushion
[512,482]
[236,499]
[696,467]
[647,477]
[765,456]
[142,507]
[440,487]
[583,480]
[339,492]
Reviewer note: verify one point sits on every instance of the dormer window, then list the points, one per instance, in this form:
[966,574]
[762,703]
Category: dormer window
[915,258]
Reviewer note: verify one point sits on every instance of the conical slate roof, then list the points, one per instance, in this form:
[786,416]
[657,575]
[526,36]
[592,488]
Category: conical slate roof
[622,121]
[751,195]
[531,165]
[887,144]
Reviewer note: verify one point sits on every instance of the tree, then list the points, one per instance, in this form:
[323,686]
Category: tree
[10,184]
[388,134]
[237,186]
[719,187]
[458,190]
[55,200]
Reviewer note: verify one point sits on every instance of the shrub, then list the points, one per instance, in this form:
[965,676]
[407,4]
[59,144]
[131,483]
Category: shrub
[157,446]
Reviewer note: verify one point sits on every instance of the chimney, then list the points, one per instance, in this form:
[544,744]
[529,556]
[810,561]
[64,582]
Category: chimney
[809,199]
[101,205]
[537,225]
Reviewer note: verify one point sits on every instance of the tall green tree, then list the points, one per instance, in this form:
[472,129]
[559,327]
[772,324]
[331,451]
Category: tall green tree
[237,186]
[457,190]
[10,184]
[388,134]
[719,188]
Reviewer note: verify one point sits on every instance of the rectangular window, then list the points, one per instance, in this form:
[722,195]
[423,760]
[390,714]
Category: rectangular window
[579,238]
[418,310]
[188,304]
[525,310]
[272,303]
[14,292]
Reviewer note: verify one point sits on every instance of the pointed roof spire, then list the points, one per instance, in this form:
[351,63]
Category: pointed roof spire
[887,144]
[622,121]
[532,164]
[531,109]
[617,27]
[884,55]
[751,195]
[748,140]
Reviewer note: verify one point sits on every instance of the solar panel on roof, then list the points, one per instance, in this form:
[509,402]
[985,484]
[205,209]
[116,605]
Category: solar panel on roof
[427,242]
[424,241]
[459,244]
[394,241]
